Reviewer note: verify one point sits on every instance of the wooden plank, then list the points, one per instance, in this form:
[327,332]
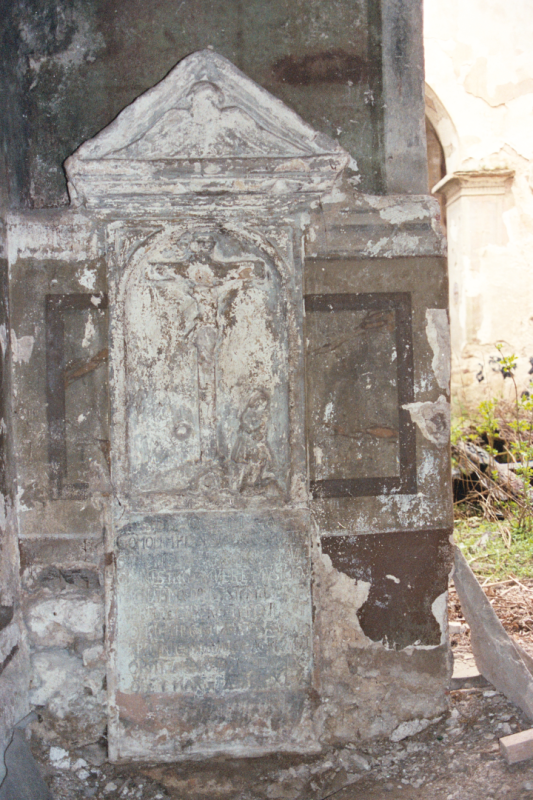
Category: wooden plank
[498,658]
[517,746]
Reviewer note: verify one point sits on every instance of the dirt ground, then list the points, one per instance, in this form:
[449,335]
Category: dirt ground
[455,758]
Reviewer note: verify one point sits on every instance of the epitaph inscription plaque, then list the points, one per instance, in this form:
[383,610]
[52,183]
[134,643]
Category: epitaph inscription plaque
[213,611]
[213,602]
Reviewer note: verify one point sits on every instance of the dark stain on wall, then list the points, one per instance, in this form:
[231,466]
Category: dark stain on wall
[330,66]
[44,555]
[56,579]
[7,660]
[407,571]
[6,615]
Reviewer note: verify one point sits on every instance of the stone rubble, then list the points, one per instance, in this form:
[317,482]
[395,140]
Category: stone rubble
[454,758]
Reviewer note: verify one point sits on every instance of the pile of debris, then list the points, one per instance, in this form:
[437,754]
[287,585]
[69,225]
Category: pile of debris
[456,757]
[480,478]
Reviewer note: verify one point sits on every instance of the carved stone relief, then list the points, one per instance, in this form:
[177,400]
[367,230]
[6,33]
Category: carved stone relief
[203,186]
[205,128]
[205,370]
[205,125]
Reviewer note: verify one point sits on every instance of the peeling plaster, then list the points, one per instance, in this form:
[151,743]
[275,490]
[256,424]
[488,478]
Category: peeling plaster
[433,420]
[439,609]
[393,578]
[374,248]
[20,504]
[88,278]
[347,589]
[401,244]
[480,81]
[438,335]
[90,332]
[342,597]
[336,196]
[405,212]
[22,348]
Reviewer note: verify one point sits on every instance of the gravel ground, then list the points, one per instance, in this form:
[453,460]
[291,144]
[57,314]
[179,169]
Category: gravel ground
[456,758]
[513,603]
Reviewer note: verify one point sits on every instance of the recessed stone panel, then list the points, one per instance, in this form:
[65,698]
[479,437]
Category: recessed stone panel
[359,376]
[205,368]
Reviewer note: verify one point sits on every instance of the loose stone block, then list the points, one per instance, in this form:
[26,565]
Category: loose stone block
[59,621]
[517,746]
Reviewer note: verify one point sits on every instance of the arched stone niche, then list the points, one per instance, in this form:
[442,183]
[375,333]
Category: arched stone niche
[202,367]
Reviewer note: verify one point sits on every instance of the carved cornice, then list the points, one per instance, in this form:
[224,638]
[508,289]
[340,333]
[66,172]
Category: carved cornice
[474,182]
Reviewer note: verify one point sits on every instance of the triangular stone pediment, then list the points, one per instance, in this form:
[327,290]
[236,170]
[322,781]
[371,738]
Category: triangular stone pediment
[206,108]
[205,129]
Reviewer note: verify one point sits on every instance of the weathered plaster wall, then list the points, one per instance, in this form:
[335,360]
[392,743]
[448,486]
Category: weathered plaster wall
[60,423]
[73,67]
[479,70]
[379,554]
[380,522]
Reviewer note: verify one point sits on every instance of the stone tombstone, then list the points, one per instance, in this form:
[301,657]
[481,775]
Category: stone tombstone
[201,190]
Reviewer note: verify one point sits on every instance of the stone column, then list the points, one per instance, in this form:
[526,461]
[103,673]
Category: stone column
[405,162]
[202,189]
[475,204]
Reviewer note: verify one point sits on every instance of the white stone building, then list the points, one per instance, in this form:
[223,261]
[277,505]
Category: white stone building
[479,103]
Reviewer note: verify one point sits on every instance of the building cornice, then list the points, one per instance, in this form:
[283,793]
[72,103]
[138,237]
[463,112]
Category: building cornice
[474,182]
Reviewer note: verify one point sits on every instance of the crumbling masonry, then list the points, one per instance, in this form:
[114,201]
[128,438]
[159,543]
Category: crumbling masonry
[226,500]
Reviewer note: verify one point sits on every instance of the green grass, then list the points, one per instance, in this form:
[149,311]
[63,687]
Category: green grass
[504,429]
[495,550]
